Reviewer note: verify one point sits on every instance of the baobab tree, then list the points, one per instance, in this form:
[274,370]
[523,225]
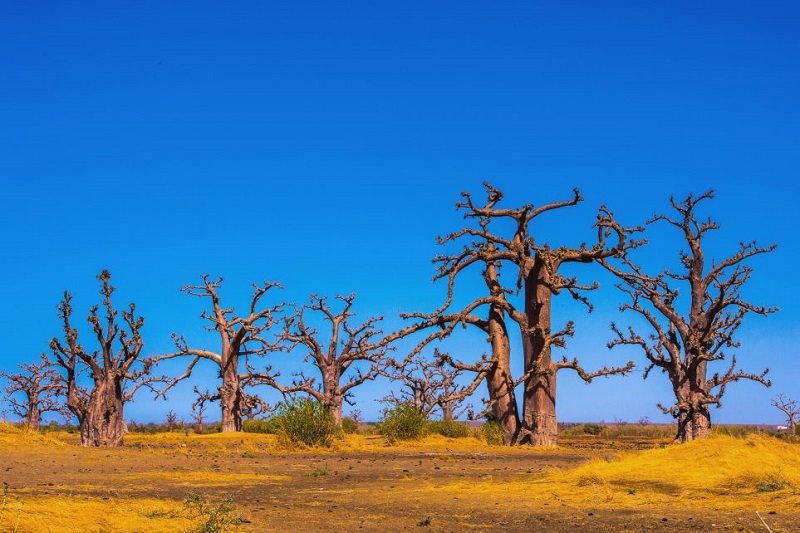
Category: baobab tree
[536,267]
[683,345]
[240,340]
[790,408]
[35,390]
[109,370]
[430,386]
[346,356]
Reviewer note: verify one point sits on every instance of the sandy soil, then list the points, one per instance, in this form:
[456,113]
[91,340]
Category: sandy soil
[376,489]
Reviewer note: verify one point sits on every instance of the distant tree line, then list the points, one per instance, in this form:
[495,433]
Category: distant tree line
[685,337]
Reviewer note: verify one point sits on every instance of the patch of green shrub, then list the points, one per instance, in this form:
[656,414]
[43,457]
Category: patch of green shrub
[592,429]
[492,433]
[448,428]
[349,425]
[303,423]
[402,422]
[270,426]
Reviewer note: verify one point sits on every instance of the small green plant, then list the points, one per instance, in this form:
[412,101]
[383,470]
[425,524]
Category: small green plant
[425,522]
[305,422]
[448,428]
[773,484]
[592,429]
[402,422]
[269,426]
[319,471]
[492,433]
[349,425]
[217,518]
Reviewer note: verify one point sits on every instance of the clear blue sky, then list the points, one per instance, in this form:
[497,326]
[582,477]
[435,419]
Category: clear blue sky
[324,144]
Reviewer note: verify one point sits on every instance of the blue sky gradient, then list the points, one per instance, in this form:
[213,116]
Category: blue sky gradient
[324,144]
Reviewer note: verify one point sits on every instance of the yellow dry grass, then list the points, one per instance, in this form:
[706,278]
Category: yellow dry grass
[758,472]
[14,437]
[52,514]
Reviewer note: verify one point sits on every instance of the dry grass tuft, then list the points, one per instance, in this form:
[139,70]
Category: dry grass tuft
[719,472]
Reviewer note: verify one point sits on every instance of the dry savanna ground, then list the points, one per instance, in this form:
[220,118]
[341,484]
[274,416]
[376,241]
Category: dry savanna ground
[244,482]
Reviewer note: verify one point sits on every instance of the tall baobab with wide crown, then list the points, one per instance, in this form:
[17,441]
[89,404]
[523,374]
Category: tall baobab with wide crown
[240,339]
[502,238]
[684,344]
[110,370]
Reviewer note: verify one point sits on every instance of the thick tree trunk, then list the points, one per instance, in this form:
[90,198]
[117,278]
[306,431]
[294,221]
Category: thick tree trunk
[447,412]
[539,403]
[34,418]
[231,398]
[336,410]
[499,381]
[104,424]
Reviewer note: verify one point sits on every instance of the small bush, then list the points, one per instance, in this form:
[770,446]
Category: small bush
[214,519]
[304,423]
[269,426]
[349,425]
[492,433]
[592,429]
[448,428]
[402,422]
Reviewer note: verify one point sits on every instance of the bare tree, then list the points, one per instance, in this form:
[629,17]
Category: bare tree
[240,339]
[40,386]
[536,265]
[349,355]
[790,408]
[99,408]
[683,346]
[430,387]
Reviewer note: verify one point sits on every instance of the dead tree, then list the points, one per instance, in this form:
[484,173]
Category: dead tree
[40,386]
[109,371]
[684,345]
[536,267]
[430,387]
[790,408]
[240,340]
[345,358]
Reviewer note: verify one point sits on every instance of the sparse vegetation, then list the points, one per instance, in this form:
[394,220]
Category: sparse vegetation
[402,422]
[305,423]
[492,433]
[448,428]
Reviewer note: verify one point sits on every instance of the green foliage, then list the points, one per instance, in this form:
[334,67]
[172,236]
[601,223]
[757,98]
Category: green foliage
[772,484]
[216,518]
[304,423]
[349,425]
[320,471]
[270,426]
[592,429]
[492,433]
[735,430]
[425,522]
[448,428]
[402,422]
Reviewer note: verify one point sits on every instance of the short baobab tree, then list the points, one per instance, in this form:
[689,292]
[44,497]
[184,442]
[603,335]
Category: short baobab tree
[685,346]
[241,339]
[502,238]
[35,390]
[113,375]
[430,386]
[790,408]
[345,356]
